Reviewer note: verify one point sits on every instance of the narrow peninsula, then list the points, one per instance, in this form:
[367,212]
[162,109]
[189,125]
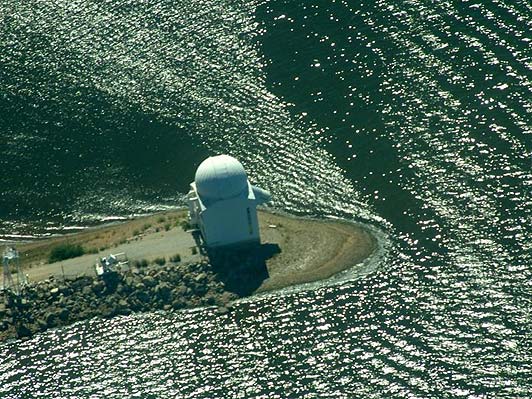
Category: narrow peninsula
[219,250]
[167,271]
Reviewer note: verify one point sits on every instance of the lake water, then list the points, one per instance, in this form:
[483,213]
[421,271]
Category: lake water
[410,117]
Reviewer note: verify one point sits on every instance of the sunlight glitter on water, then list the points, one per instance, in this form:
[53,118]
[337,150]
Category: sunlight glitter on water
[409,117]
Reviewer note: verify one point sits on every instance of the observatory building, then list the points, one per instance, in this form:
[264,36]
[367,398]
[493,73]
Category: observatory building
[223,204]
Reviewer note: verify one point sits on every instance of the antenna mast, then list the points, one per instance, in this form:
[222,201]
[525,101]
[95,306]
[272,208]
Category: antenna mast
[9,257]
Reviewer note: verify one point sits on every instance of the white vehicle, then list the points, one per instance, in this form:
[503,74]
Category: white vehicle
[112,263]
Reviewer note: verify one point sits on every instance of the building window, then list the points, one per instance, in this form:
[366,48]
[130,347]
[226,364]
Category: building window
[250,225]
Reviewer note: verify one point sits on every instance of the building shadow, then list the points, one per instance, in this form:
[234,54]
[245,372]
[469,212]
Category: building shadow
[242,270]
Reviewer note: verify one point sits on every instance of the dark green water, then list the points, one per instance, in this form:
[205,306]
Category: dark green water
[410,117]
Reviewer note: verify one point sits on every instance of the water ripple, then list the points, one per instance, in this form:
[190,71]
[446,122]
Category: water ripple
[410,117]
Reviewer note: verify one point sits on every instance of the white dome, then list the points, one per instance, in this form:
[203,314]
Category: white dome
[220,177]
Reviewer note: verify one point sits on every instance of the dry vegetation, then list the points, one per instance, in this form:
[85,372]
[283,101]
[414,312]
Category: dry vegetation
[99,238]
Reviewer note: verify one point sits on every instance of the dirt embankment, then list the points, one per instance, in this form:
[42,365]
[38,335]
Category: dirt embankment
[311,250]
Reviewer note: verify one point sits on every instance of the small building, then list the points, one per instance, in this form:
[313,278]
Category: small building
[223,204]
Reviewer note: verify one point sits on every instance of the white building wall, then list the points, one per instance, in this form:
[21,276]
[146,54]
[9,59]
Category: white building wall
[230,222]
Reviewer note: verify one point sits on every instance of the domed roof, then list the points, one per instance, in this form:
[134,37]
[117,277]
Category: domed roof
[220,177]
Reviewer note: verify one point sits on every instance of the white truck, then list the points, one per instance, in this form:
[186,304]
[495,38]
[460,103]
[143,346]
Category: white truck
[111,263]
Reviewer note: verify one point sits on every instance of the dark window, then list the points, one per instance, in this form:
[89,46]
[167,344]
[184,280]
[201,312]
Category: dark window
[250,225]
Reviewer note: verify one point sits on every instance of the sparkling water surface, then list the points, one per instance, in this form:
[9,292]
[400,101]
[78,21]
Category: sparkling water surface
[410,117]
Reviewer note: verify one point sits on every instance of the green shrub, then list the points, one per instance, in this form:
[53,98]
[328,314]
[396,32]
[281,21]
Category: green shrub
[176,258]
[167,226]
[161,219]
[146,226]
[160,261]
[194,250]
[136,232]
[65,251]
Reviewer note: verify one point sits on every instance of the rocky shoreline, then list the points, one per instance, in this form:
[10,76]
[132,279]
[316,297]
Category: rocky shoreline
[55,302]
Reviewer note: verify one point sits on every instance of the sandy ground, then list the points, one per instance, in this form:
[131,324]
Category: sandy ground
[147,238]
[310,250]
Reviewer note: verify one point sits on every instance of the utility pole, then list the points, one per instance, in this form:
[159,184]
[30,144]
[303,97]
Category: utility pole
[9,257]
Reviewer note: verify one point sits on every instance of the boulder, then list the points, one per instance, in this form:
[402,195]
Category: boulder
[25,304]
[199,289]
[222,310]
[226,297]
[175,276]
[209,300]
[49,300]
[193,302]
[134,304]
[80,282]
[86,314]
[98,286]
[161,275]
[123,307]
[63,314]
[65,290]
[219,289]
[179,291]
[124,311]
[111,300]
[149,281]
[178,303]
[122,289]
[23,331]
[143,296]
[130,280]
[163,291]
[107,311]
[42,324]
[51,319]
[200,278]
